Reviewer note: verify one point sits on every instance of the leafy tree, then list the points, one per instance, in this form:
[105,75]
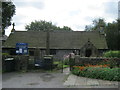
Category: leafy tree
[88,28]
[113,35]
[118,35]
[8,10]
[66,28]
[44,25]
[96,24]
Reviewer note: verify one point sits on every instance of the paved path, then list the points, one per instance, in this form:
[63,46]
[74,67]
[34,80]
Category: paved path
[33,80]
[52,80]
[75,81]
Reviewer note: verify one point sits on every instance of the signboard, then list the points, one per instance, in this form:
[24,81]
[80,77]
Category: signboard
[21,48]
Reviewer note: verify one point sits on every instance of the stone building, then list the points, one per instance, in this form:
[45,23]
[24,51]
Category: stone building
[83,43]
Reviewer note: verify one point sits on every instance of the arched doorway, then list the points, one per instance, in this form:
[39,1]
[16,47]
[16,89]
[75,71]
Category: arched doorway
[88,52]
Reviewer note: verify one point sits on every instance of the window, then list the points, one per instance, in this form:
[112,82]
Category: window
[52,52]
[13,52]
[31,53]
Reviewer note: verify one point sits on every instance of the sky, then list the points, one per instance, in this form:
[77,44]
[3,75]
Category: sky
[75,14]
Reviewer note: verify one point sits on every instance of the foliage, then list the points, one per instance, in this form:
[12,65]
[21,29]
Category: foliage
[112,54]
[60,65]
[56,62]
[8,10]
[98,72]
[65,66]
[44,25]
[96,24]
[113,35]
[66,61]
[5,54]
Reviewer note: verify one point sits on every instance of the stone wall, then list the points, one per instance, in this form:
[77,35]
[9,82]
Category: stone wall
[61,53]
[93,60]
[18,63]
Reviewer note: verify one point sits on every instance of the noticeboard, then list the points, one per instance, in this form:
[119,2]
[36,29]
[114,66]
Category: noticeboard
[22,48]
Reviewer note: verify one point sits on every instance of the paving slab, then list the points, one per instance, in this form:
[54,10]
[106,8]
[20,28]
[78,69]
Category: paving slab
[71,80]
[81,81]
[92,82]
[109,83]
[66,71]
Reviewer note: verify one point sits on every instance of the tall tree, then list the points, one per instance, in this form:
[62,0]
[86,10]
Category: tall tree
[88,28]
[8,10]
[113,35]
[44,25]
[96,24]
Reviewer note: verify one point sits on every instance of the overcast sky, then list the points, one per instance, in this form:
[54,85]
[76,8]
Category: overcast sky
[72,13]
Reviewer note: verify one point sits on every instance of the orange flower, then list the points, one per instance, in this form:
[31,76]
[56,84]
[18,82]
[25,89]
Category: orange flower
[81,68]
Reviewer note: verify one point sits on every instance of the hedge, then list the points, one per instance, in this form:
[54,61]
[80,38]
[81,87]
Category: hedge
[104,73]
[113,54]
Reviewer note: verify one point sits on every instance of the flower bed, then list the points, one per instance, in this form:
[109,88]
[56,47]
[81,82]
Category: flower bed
[98,72]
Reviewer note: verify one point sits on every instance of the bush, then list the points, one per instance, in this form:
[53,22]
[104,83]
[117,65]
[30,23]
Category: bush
[113,54]
[5,54]
[66,61]
[104,73]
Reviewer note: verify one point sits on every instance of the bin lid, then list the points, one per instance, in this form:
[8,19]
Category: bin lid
[9,59]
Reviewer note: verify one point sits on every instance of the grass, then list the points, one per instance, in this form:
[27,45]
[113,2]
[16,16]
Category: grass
[65,66]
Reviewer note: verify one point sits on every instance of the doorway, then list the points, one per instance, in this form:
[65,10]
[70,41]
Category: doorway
[88,52]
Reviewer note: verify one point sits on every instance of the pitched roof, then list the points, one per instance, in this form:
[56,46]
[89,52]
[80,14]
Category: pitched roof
[58,39]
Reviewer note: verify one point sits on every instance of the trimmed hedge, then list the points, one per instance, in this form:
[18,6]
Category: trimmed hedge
[104,73]
[112,54]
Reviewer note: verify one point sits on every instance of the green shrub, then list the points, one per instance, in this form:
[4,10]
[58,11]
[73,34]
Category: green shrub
[5,55]
[66,61]
[60,65]
[112,54]
[99,73]
[76,71]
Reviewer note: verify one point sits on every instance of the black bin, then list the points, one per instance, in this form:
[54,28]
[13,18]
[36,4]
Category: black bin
[9,64]
[48,62]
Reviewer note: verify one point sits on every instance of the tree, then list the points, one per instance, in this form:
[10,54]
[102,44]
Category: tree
[88,28]
[8,10]
[44,25]
[113,35]
[96,24]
